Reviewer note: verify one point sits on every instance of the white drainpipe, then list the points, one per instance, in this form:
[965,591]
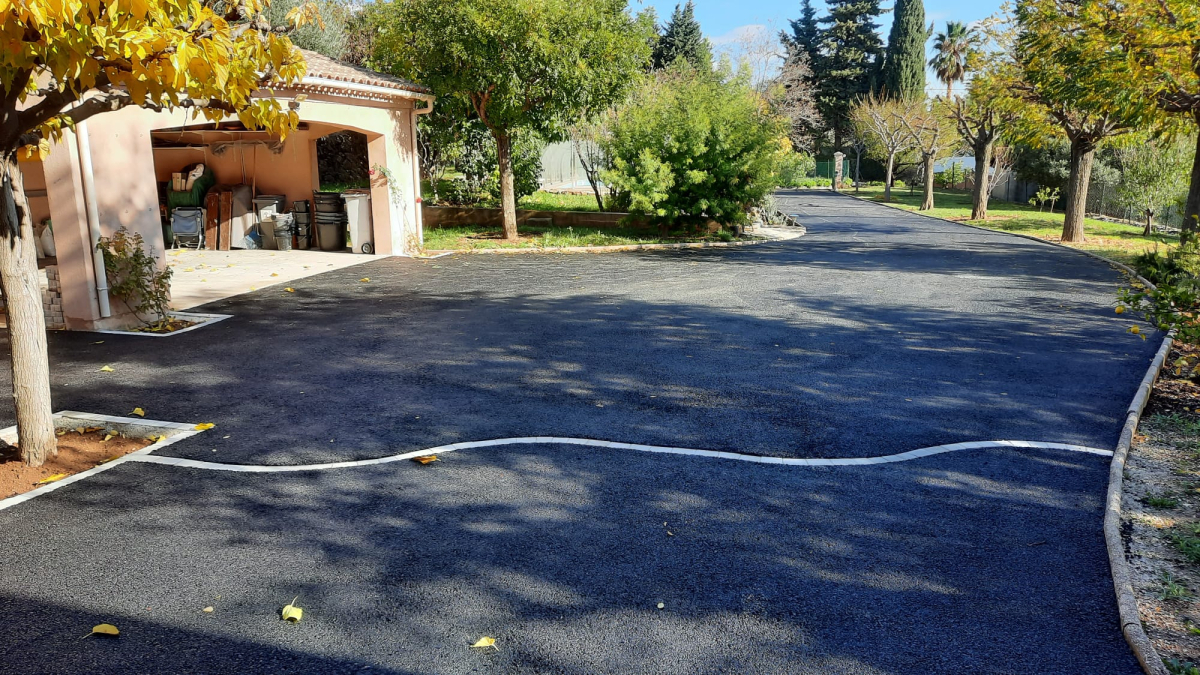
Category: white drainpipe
[417,168]
[93,217]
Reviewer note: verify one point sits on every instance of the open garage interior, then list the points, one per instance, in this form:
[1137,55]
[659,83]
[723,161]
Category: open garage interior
[188,186]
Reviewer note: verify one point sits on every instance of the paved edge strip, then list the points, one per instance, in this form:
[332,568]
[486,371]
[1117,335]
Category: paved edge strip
[556,440]
[181,431]
[202,320]
[1131,618]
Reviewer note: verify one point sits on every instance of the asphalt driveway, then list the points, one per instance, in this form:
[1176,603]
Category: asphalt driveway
[877,333]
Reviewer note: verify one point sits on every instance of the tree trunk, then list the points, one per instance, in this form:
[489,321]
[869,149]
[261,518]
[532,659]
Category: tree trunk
[26,323]
[983,180]
[1191,212]
[887,182]
[928,203]
[1075,205]
[1149,229]
[508,201]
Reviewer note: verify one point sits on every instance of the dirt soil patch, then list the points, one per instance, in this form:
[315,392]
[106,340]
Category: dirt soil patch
[169,325]
[77,452]
[1161,521]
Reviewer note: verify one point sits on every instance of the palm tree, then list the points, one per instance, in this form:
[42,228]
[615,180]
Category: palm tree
[951,48]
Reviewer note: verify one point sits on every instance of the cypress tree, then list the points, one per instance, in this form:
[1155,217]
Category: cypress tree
[849,61]
[682,38]
[903,74]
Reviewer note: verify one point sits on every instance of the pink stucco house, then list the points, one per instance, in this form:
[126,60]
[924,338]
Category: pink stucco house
[133,149]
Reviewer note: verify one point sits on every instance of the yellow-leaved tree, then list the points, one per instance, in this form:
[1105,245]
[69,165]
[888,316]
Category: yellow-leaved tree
[64,61]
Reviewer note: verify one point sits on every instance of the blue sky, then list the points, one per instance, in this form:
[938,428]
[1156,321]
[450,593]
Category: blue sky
[720,18]
[728,22]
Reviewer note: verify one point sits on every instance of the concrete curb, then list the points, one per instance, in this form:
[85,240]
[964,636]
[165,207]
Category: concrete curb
[1131,621]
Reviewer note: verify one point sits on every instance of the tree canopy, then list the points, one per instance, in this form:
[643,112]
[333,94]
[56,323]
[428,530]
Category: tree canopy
[851,51]
[904,66]
[534,65]
[682,38]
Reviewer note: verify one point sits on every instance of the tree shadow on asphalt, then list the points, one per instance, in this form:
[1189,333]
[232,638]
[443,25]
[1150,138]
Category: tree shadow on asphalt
[987,561]
[341,370]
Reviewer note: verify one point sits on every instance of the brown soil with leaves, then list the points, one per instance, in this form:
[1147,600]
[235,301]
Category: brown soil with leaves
[77,452]
[1161,522]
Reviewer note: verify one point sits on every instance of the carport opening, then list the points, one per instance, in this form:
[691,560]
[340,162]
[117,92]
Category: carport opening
[224,187]
[342,162]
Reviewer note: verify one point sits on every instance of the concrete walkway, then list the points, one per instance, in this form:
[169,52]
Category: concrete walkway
[201,277]
[878,333]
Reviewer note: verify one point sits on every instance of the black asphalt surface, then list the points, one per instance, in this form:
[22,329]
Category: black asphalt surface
[876,333]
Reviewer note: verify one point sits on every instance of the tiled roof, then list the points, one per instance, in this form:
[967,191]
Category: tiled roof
[327,68]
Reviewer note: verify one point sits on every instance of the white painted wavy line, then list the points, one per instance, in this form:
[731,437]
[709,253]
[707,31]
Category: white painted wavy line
[544,440]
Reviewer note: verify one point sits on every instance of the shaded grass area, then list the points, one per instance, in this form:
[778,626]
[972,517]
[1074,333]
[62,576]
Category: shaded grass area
[476,237]
[1117,241]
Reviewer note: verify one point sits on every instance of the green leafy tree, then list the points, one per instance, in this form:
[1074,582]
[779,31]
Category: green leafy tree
[329,36]
[904,64]
[690,146]
[682,39]
[533,65]
[951,54]
[1152,67]
[1154,175]
[851,52]
[1066,81]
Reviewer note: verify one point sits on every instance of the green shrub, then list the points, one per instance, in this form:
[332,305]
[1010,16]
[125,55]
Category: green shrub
[691,146]
[795,168]
[133,276]
[1174,304]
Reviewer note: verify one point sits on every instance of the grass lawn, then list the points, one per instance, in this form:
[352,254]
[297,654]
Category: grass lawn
[476,237]
[548,201]
[1113,240]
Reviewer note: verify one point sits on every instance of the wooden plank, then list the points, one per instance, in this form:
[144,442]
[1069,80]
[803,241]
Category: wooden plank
[226,223]
[211,217]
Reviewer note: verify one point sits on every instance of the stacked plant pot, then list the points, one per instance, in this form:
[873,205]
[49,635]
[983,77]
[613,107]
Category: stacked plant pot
[302,212]
[329,212]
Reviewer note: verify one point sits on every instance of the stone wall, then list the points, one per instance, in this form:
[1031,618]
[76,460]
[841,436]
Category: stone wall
[52,299]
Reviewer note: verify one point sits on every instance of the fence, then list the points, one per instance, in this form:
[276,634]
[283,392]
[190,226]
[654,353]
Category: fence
[826,168]
[1102,201]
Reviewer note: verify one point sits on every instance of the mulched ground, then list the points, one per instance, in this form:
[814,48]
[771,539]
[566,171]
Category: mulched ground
[1161,500]
[76,452]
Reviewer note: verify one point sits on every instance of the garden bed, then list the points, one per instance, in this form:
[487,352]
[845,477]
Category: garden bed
[468,238]
[79,449]
[1161,519]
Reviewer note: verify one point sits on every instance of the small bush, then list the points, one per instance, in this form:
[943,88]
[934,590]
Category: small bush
[1187,542]
[1174,304]
[134,276]
[1163,501]
[1177,667]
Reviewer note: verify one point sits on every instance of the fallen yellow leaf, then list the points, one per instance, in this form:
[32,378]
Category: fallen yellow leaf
[98,342]
[208,609]
[111,459]
[108,437]
[274,274]
[105,629]
[106,369]
[425,459]
[51,479]
[139,412]
[485,642]
[290,290]
[365,279]
[291,612]
[204,426]
[61,432]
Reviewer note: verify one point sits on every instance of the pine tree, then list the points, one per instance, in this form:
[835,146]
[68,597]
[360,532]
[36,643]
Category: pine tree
[806,35]
[849,61]
[682,38]
[904,68]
